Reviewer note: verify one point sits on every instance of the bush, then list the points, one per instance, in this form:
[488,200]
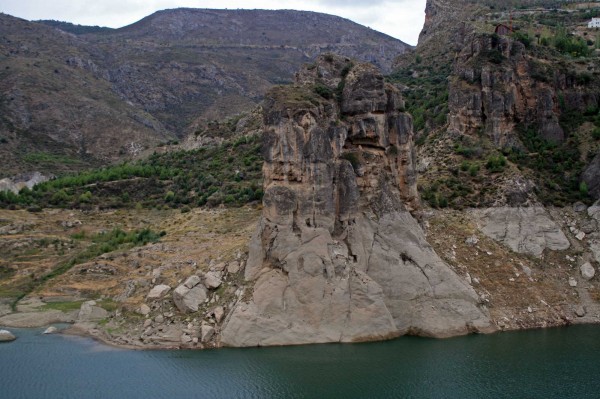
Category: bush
[469,151]
[474,169]
[60,198]
[496,163]
[583,189]
[323,91]
[169,196]
[523,38]
[85,197]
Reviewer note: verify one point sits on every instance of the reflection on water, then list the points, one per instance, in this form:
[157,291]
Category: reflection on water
[555,363]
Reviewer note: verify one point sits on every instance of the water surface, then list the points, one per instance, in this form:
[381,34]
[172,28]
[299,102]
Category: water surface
[553,363]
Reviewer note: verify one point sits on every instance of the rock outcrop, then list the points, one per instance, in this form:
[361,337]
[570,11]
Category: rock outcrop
[493,91]
[524,230]
[337,256]
[158,291]
[16,183]
[90,312]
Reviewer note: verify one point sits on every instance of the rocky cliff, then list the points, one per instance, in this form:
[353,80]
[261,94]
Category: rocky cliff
[493,92]
[517,112]
[337,256]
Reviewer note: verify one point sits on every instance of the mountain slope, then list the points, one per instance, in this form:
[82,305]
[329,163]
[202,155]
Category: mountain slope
[505,119]
[57,110]
[85,96]
[186,63]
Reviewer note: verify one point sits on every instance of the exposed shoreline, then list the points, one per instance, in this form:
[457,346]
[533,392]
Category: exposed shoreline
[87,330]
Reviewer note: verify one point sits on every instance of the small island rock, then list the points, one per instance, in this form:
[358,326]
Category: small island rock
[6,336]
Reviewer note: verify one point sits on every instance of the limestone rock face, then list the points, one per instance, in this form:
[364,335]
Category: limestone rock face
[524,230]
[337,256]
[494,97]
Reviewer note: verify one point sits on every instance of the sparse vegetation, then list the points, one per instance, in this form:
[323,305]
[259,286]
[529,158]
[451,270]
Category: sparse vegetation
[229,173]
[426,95]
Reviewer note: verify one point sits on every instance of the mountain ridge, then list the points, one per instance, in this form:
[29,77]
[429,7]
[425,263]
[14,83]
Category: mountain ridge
[153,84]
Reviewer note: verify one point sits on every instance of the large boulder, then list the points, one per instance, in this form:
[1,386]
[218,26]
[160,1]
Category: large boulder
[587,271]
[192,281]
[189,300]
[206,332]
[158,291]
[594,211]
[6,336]
[212,280]
[37,319]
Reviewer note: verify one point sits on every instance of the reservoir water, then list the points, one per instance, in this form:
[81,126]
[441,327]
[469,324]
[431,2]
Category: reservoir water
[552,363]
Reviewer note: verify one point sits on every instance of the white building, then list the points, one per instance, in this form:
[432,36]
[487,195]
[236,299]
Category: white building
[594,23]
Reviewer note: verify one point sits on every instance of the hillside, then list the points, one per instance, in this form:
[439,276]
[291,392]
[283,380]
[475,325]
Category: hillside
[506,119]
[58,110]
[72,97]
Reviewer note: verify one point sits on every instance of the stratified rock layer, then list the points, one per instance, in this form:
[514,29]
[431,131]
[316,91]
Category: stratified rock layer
[337,256]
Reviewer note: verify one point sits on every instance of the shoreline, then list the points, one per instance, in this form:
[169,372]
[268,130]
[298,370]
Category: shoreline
[99,336]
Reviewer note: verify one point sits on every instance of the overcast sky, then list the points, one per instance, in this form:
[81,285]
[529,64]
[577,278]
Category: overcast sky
[402,19]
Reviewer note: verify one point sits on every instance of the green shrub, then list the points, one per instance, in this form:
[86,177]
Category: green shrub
[169,196]
[324,91]
[523,38]
[442,202]
[469,151]
[496,163]
[85,197]
[583,189]
[473,169]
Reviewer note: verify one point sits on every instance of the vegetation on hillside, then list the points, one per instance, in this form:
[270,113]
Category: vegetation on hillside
[425,91]
[227,174]
[470,170]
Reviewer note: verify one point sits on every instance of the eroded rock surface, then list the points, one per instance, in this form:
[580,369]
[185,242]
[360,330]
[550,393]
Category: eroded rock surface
[524,230]
[337,256]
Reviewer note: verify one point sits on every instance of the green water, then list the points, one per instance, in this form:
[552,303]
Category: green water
[554,363]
